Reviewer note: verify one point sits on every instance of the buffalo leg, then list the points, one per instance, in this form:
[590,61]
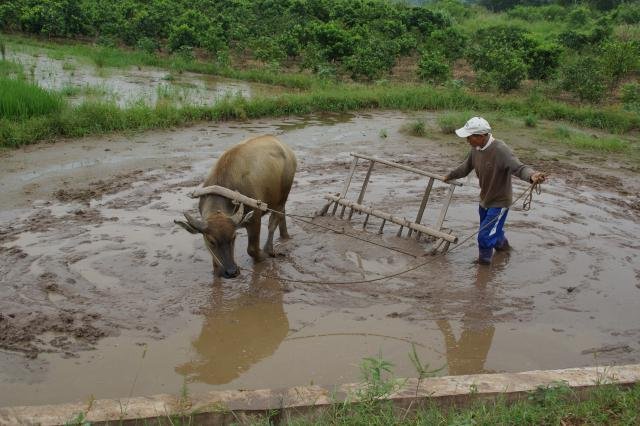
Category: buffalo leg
[274,221]
[253,232]
[284,234]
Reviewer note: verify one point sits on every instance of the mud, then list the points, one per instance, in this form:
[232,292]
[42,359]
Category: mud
[95,278]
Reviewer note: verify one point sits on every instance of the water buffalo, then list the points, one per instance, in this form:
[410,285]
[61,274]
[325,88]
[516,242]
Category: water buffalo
[261,168]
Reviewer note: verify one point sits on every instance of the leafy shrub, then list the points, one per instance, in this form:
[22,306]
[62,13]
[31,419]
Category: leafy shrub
[456,8]
[584,77]
[371,59]
[503,55]
[506,73]
[551,12]
[182,35]
[619,58]
[578,38]
[147,44]
[450,42]
[267,49]
[334,41]
[543,60]
[631,96]
[627,13]
[433,68]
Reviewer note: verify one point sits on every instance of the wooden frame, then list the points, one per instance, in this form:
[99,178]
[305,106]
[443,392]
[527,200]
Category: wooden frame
[444,237]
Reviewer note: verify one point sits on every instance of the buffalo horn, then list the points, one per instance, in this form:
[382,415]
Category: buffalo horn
[237,216]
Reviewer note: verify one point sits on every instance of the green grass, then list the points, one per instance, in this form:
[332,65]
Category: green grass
[9,69]
[449,122]
[20,100]
[96,118]
[560,405]
[584,141]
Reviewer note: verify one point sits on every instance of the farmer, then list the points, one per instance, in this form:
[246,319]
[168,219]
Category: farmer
[494,163]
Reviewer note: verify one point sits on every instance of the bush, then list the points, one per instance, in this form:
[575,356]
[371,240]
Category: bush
[372,58]
[551,12]
[434,68]
[584,77]
[504,55]
[450,42]
[627,13]
[543,60]
[147,44]
[507,71]
[182,35]
[619,58]
[631,96]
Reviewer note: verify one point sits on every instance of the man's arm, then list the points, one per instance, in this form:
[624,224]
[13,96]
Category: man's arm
[522,171]
[461,171]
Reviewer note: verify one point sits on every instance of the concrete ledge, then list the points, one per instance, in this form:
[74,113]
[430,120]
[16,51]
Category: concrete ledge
[223,407]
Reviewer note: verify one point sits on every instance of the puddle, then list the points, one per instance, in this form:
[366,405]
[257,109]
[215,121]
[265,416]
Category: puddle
[95,277]
[81,81]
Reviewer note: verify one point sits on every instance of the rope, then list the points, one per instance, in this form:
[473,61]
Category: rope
[528,194]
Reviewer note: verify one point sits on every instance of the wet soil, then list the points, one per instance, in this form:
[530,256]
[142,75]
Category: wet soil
[96,278]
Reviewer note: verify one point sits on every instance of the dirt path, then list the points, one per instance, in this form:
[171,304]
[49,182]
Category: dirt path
[91,260]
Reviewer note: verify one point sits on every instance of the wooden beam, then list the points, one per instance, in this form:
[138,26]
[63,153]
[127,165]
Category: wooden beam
[403,167]
[445,207]
[397,220]
[343,193]
[423,205]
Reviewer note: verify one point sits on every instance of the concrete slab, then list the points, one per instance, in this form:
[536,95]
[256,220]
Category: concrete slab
[224,407]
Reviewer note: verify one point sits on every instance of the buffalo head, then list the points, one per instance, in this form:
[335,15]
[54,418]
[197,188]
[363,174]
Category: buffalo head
[219,232]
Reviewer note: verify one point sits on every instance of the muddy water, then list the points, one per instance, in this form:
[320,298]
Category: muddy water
[101,295]
[132,85]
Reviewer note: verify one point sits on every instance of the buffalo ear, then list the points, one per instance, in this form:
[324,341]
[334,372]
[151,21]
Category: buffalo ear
[193,225]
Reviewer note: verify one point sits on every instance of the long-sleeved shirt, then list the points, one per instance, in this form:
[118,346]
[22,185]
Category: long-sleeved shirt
[494,167]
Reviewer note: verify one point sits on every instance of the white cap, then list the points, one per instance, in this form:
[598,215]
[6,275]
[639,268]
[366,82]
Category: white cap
[475,126]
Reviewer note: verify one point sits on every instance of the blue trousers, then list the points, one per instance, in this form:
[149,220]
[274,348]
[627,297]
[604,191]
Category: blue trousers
[491,235]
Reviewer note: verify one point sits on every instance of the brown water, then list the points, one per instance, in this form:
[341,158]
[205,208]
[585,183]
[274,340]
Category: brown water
[128,86]
[101,295]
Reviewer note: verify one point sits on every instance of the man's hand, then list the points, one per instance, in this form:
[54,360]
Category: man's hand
[538,177]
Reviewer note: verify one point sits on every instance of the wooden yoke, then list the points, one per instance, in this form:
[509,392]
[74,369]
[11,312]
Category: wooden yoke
[230,194]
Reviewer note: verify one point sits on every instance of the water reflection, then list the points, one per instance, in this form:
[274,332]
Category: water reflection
[238,333]
[468,353]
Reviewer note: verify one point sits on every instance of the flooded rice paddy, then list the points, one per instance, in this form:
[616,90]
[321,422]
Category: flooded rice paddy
[101,295]
[81,81]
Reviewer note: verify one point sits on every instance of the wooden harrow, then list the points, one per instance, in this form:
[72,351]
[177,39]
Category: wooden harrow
[443,237]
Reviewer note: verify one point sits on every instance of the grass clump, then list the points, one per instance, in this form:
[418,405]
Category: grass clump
[22,100]
[531,121]
[417,128]
[581,140]
[449,122]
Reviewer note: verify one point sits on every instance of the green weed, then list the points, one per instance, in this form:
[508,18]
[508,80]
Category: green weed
[417,128]
[531,121]
[449,122]
[20,100]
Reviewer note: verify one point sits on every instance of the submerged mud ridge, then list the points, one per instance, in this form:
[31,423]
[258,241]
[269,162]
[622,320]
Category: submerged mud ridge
[88,260]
